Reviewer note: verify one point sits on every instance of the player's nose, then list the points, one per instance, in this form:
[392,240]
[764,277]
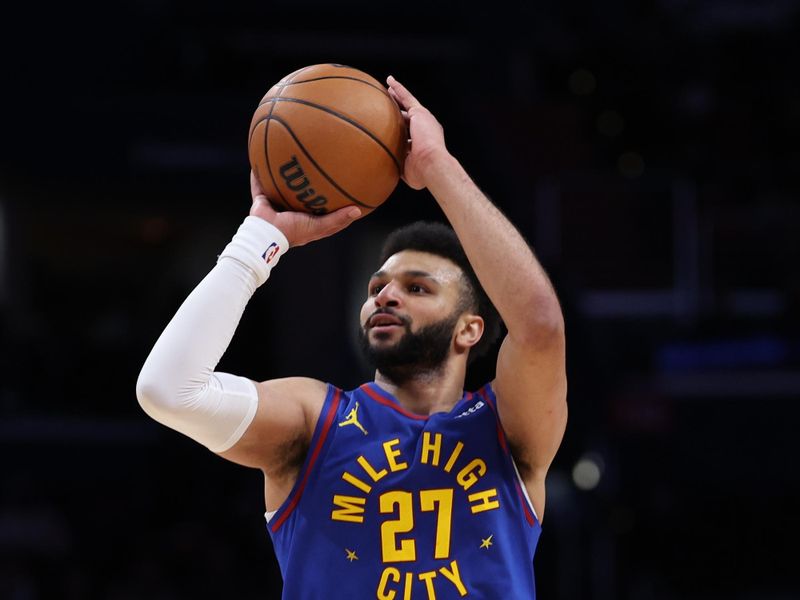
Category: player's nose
[388,296]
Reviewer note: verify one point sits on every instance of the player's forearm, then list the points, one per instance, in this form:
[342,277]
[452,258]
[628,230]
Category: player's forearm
[503,261]
[175,385]
[191,345]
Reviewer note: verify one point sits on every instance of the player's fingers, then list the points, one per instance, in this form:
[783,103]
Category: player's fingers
[262,207]
[336,221]
[261,201]
[404,98]
[406,118]
[403,111]
[255,186]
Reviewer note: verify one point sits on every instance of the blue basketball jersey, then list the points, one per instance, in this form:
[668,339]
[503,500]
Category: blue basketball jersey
[398,506]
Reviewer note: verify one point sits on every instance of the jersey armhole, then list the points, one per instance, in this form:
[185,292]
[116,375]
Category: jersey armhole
[487,393]
[327,416]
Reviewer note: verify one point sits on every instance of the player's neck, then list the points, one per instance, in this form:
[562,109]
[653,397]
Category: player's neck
[429,392]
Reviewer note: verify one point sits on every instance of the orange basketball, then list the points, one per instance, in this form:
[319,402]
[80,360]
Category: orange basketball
[327,136]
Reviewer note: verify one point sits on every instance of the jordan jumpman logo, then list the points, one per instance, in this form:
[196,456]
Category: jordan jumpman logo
[352,419]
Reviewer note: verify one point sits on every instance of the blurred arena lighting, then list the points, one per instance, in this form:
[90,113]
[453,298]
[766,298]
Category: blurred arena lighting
[582,82]
[630,164]
[731,353]
[587,471]
[610,123]
[715,16]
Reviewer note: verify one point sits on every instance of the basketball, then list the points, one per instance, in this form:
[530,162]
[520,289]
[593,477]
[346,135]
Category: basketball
[325,137]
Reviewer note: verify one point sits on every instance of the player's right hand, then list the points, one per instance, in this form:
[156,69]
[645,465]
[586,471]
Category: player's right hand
[299,227]
[427,136]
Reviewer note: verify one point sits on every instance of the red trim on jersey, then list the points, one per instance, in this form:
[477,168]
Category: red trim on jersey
[320,441]
[525,508]
[500,434]
[390,402]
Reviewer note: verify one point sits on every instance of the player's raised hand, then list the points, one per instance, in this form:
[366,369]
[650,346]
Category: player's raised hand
[299,228]
[427,135]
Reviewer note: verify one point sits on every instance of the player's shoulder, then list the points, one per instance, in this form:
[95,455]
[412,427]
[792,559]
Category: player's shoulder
[307,392]
[298,389]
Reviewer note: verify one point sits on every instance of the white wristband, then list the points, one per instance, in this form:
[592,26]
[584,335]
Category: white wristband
[257,245]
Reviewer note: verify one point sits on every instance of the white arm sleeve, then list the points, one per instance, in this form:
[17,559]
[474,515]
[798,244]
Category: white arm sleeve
[177,385]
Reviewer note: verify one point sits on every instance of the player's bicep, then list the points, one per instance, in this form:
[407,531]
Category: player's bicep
[284,422]
[531,390]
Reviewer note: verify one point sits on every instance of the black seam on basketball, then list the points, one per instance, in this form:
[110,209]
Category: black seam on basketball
[311,158]
[266,154]
[294,76]
[266,157]
[372,85]
[355,124]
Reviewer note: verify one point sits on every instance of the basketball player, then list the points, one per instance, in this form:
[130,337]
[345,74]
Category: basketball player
[406,487]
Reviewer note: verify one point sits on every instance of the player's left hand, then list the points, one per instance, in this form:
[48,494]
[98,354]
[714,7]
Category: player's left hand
[299,227]
[427,135]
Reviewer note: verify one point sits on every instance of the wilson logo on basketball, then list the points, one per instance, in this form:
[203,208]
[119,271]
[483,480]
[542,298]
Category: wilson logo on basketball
[297,181]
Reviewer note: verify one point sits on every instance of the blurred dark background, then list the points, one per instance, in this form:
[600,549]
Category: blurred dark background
[648,150]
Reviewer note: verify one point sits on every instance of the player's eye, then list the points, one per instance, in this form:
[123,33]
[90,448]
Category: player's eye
[375,289]
[415,288]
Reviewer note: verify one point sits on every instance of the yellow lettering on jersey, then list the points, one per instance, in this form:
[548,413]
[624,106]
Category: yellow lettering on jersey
[453,457]
[442,499]
[466,477]
[428,448]
[356,482]
[351,508]
[390,576]
[428,577]
[454,576]
[376,476]
[392,453]
[486,503]
[406,550]
[383,593]
[407,587]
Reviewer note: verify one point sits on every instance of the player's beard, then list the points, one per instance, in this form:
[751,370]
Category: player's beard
[415,354]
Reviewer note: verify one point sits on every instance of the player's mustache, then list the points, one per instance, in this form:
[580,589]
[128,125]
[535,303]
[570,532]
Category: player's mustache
[387,311]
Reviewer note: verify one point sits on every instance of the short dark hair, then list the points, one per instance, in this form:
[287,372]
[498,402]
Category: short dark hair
[440,239]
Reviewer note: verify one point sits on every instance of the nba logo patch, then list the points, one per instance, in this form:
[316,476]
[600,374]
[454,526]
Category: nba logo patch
[270,252]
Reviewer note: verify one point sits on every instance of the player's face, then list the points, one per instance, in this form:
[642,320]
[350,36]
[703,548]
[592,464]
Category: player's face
[411,313]
[411,291]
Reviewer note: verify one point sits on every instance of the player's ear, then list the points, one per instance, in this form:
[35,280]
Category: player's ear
[468,331]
